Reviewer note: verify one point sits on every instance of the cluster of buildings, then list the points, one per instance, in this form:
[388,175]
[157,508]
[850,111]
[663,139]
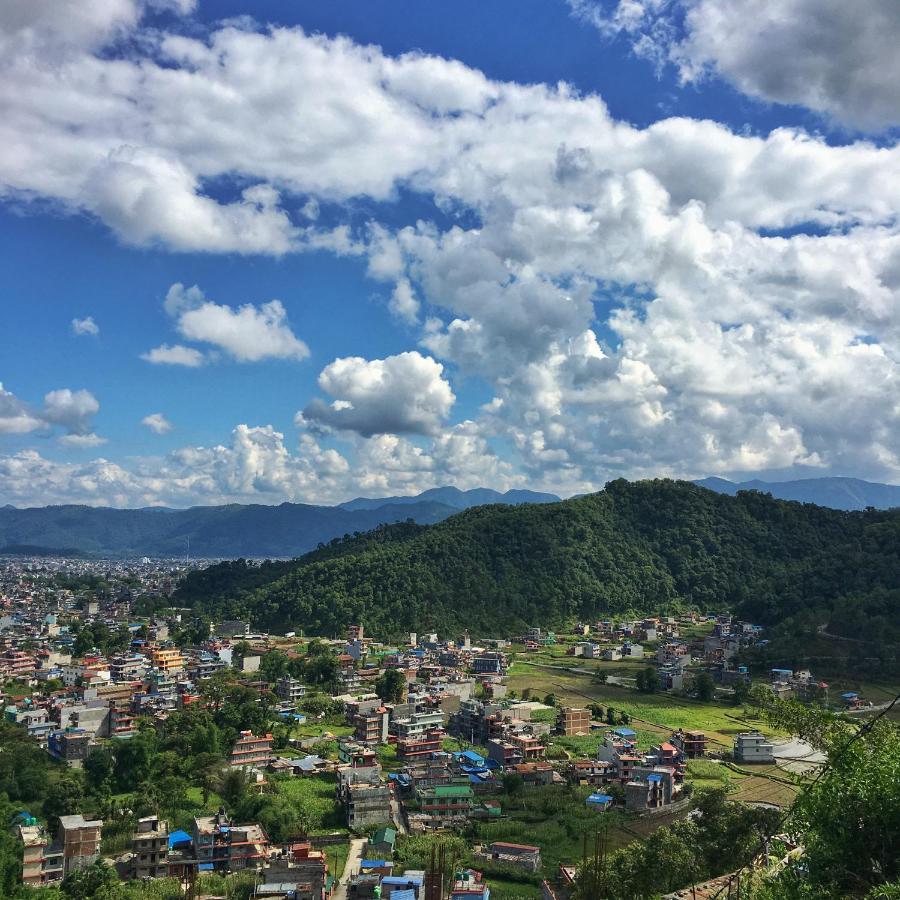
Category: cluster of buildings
[453,694]
[671,655]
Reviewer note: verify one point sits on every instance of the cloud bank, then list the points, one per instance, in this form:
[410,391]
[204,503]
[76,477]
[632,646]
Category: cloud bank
[678,299]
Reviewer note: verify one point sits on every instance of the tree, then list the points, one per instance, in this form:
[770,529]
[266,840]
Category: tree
[273,665]
[610,715]
[704,687]
[513,783]
[740,692]
[234,783]
[63,799]
[315,704]
[646,680]
[92,882]
[550,700]
[601,676]
[597,711]
[99,768]
[391,686]
[849,818]
[208,767]
[322,669]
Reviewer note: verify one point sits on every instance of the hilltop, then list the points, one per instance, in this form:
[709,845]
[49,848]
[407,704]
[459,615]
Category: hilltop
[636,547]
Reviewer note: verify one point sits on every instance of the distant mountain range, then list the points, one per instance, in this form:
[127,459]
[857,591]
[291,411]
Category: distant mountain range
[834,492]
[454,497]
[233,530]
[291,529]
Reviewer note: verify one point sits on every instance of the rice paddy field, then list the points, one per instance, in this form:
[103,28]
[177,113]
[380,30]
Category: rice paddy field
[652,715]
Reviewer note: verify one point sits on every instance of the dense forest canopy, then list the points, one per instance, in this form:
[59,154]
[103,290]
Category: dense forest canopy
[633,547]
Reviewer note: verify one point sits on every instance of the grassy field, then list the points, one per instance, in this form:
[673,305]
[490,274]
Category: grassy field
[336,855]
[752,788]
[556,818]
[315,795]
[652,715]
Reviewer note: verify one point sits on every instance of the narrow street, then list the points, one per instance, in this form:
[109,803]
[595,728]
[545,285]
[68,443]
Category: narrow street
[397,816]
[354,857]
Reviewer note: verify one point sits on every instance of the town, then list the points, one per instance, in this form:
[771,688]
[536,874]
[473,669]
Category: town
[420,769]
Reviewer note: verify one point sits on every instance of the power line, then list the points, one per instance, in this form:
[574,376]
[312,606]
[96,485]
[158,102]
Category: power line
[782,821]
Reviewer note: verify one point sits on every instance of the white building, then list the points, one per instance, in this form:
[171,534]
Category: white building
[753,747]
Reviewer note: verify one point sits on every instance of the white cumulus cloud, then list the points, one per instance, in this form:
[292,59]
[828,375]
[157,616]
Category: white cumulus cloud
[85,326]
[247,334]
[174,355]
[157,423]
[830,56]
[406,393]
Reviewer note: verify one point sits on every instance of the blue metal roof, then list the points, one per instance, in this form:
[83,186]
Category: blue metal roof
[472,756]
[406,894]
[624,732]
[178,837]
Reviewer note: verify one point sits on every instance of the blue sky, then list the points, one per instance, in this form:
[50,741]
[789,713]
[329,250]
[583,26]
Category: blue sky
[527,243]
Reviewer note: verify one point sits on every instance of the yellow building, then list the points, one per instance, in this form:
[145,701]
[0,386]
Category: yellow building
[167,659]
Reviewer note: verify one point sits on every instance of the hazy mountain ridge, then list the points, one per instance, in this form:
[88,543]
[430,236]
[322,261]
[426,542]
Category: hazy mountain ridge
[230,530]
[836,492]
[454,497]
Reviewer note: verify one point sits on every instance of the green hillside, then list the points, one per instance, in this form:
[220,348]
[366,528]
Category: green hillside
[638,547]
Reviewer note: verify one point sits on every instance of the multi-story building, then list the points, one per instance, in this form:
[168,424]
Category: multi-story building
[691,743]
[70,745]
[150,848]
[227,847]
[671,678]
[17,664]
[572,720]
[162,684]
[168,659]
[529,745]
[80,840]
[204,664]
[289,689]
[421,746]
[128,667]
[446,803]
[121,721]
[371,727]
[503,752]
[34,719]
[753,747]
[367,804]
[649,789]
[250,750]
[42,860]
[417,724]
[301,874]
[489,663]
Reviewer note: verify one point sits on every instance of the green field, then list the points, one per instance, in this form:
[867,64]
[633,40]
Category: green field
[315,795]
[652,715]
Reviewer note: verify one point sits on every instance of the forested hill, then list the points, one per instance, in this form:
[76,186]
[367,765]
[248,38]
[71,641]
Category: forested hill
[632,547]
